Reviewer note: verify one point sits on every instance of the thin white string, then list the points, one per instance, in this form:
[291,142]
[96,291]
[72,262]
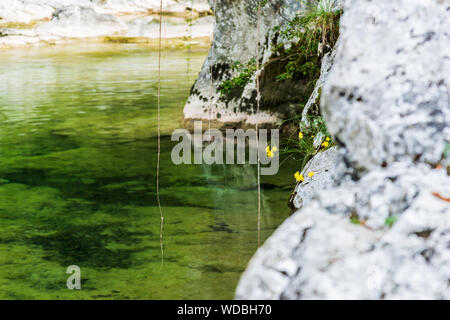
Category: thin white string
[190,31]
[258,99]
[159,134]
[211,70]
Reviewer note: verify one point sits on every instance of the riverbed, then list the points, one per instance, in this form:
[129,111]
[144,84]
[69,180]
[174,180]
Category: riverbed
[78,154]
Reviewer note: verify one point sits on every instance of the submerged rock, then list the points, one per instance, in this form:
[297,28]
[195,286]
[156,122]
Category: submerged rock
[383,230]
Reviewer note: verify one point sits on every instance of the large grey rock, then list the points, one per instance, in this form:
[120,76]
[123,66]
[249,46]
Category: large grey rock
[235,39]
[81,22]
[394,72]
[319,254]
[386,102]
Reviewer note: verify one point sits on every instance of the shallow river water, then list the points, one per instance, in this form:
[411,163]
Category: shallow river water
[78,155]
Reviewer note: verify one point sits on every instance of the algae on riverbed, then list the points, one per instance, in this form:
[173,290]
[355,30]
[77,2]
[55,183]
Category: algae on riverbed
[77,163]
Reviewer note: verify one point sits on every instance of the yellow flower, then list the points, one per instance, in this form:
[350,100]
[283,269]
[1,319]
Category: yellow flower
[312,136]
[300,135]
[270,153]
[325,144]
[328,139]
[311,174]
[299,177]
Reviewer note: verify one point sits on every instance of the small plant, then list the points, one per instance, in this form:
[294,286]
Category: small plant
[316,30]
[299,177]
[447,150]
[355,220]
[271,151]
[389,222]
[305,144]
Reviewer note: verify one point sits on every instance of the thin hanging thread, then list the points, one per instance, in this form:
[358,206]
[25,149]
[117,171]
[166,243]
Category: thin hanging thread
[258,99]
[159,133]
[211,70]
[190,38]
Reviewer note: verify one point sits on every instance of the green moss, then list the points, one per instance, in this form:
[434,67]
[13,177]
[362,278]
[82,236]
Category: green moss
[355,220]
[243,76]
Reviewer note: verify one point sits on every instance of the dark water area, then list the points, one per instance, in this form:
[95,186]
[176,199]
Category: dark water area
[78,154]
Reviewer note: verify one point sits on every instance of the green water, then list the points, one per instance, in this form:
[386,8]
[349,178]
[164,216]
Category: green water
[77,182]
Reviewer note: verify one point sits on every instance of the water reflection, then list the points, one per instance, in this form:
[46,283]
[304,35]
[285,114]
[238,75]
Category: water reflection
[77,182]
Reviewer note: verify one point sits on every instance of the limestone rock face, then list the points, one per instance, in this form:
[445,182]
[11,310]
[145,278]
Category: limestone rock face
[312,106]
[235,40]
[173,27]
[33,22]
[81,22]
[387,104]
[391,76]
[11,37]
[26,11]
[139,6]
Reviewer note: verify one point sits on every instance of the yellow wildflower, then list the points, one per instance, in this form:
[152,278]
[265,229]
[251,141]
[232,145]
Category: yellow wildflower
[328,139]
[311,174]
[325,144]
[299,177]
[270,153]
[312,136]
[300,135]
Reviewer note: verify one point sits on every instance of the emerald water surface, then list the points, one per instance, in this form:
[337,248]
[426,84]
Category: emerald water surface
[77,181]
